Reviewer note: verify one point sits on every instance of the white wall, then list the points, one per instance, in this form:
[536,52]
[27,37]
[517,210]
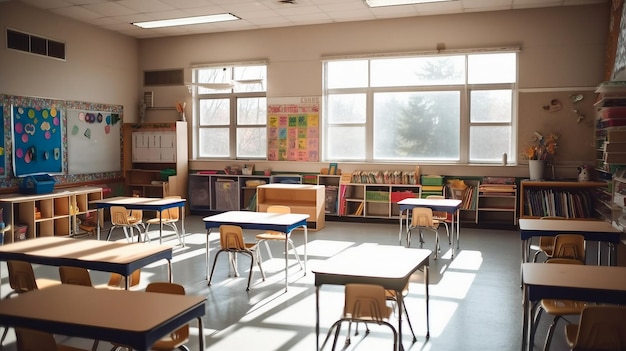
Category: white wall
[562,50]
[101,66]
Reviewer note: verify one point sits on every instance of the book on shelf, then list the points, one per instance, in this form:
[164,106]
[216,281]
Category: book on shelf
[359,210]
[615,136]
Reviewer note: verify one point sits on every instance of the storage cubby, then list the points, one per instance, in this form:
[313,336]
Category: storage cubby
[374,200]
[301,198]
[47,214]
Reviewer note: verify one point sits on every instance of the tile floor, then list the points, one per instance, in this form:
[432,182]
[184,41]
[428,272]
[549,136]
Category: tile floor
[475,299]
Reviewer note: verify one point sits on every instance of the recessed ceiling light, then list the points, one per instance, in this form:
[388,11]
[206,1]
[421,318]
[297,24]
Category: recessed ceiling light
[185,21]
[380,3]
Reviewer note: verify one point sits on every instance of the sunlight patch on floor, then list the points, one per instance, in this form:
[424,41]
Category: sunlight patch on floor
[467,260]
[260,338]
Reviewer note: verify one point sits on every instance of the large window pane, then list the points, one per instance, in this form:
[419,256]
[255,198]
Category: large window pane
[216,80]
[491,105]
[214,112]
[251,142]
[346,74]
[488,143]
[492,68]
[213,142]
[417,126]
[445,70]
[251,111]
[346,143]
[250,78]
[346,108]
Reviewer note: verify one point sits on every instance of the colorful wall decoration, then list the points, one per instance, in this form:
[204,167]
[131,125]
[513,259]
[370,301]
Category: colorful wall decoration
[37,138]
[293,129]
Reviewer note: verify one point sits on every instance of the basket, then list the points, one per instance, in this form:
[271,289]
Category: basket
[432,180]
[37,184]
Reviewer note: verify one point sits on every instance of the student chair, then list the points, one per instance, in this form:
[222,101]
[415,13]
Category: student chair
[120,219]
[21,280]
[441,216]
[231,241]
[81,276]
[422,219]
[168,217]
[546,243]
[277,236]
[364,303]
[176,339]
[558,308]
[601,327]
[569,246]
[34,340]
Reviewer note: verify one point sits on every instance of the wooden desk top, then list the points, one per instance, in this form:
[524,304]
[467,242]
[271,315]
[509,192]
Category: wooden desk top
[380,264]
[104,256]
[575,276]
[139,203]
[101,313]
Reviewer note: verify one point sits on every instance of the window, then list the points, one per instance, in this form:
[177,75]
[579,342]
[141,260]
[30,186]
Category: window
[230,112]
[455,108]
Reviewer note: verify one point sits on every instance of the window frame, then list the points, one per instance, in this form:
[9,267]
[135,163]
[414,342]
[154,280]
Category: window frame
[464,90]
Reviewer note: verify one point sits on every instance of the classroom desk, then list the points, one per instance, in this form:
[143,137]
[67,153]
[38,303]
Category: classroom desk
[444,205]
[145,204]
[105,256]
[592,230]
[601,284]
[280,222]
[389,266]
[104,314]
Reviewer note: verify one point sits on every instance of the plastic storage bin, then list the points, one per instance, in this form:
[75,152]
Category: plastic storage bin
[37,184]
[432,180]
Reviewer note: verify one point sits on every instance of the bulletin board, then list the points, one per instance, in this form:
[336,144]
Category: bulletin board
[293,129]
[37,139]
[93,141]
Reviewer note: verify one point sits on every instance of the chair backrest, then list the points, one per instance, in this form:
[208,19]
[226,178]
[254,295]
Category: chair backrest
[171,214]
[231,237]
[601,327]
[563,260]
[182,333]
[119,215]
[366,301]
[136,215]
[278,209]
[439,214]
[422,217]
[21,276]
[116,280]
[75,276]
[34,340]
[569,246]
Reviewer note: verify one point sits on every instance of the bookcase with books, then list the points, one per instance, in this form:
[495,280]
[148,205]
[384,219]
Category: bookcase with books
[558,198]
[467,191]
[497,200]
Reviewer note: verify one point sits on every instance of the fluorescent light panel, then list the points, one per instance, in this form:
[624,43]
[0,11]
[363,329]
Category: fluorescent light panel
[381,3]
[185,21]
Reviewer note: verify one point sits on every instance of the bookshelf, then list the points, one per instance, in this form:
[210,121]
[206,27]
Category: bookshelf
[567,199]
[497,203]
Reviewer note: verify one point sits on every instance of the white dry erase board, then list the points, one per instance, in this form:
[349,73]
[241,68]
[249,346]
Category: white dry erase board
[93,141]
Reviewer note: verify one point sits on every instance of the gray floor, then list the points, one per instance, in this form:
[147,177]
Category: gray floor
[475,299]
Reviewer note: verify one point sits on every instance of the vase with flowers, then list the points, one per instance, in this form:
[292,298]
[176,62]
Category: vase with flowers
[180,108]
[543,150]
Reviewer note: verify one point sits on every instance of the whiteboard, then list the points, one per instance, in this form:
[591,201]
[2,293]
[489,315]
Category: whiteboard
[93,141]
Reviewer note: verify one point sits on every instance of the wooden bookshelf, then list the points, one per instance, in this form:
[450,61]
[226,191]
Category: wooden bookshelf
[568,199]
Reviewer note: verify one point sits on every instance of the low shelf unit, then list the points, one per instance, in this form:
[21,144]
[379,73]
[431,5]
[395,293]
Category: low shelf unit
[569,199]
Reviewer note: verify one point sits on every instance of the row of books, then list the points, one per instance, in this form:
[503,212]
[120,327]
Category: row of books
[562,203]
[497,189]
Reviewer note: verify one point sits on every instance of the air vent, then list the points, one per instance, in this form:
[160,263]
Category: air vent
[35,44]
[164,77]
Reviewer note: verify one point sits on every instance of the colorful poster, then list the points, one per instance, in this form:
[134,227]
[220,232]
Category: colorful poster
[293,129]
[37,139]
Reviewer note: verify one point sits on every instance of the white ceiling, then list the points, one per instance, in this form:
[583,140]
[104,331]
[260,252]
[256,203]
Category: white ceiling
[116,15]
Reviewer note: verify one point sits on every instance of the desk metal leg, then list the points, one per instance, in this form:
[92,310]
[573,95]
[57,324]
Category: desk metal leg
[400,299]
[160,227]
[426,283]
[170,274]
[525,322]
[208,233]
[200,334]
[317,317]
[286,261]
[99,215]
[182,225]
[400,231]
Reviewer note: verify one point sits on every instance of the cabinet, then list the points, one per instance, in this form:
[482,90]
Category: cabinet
[156,159]
[558,198]
[301,198]
[56,214]
[374,200]
[209,192]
